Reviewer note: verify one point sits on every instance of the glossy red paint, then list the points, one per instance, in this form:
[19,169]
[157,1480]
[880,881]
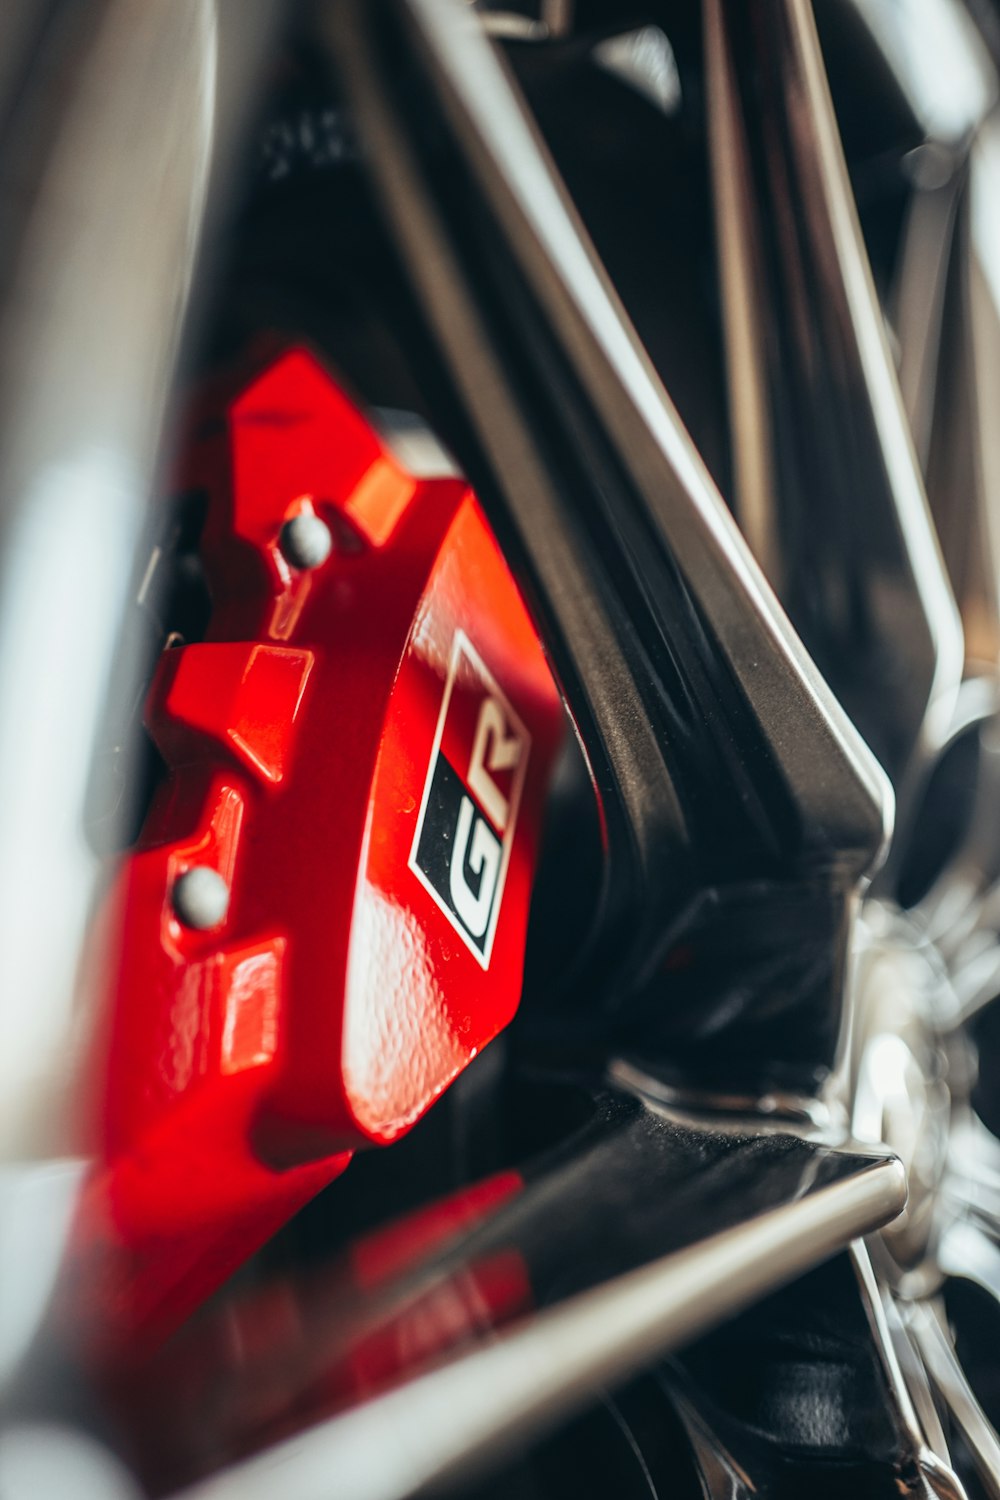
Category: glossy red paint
[437,1315]
[272,1358]
[341,993]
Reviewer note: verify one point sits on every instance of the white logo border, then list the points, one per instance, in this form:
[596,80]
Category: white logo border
[461,645]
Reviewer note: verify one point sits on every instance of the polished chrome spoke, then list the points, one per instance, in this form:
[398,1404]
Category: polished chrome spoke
[927,1326]
[826,479]
[963,464]
[963,473]
[909,1390]
[910,1385]
[950,367]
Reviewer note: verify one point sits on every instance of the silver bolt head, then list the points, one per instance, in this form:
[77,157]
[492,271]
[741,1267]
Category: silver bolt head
[306,541]
[201,898]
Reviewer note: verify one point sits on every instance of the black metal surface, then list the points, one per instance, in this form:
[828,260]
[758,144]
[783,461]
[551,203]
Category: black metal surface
[826,479]
[318,1337]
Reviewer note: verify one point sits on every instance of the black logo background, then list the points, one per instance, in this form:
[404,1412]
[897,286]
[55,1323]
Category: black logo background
[436,845]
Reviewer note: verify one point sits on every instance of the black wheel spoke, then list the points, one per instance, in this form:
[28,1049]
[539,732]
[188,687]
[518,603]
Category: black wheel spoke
[709,733]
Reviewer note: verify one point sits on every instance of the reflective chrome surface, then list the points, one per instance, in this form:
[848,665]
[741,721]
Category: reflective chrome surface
[826,481]
[926,1324]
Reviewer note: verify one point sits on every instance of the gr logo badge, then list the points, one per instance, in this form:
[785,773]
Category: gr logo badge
[468,813]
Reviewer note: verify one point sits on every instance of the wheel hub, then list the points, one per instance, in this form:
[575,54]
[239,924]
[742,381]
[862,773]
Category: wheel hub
[911,1077]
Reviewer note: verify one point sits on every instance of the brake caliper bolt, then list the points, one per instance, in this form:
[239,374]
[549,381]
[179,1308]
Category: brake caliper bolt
[201,898]
[306,541]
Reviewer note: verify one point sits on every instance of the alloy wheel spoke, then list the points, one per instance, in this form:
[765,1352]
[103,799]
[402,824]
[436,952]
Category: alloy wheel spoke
[827,483]
[963,444]
[927,1326]
[906,1378]
[706,726]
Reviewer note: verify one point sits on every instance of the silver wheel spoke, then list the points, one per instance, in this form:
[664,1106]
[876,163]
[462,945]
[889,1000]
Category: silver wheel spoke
[963,478]
[826,478]
[963,442]
[925,1322]
[909,1391]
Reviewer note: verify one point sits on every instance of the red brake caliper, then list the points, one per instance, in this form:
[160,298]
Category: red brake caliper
[324,920]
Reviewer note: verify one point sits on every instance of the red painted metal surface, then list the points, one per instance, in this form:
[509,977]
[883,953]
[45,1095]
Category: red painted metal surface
[274,1357]
[361,751]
